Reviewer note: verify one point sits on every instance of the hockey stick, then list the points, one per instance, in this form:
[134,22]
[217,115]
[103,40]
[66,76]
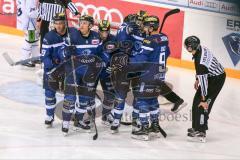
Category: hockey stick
[12,63]
[74,72]
[163,132]
[169,13]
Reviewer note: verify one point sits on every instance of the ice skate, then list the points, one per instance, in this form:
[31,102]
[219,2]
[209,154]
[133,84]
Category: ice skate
[49,121]
[65,128]
[142,134]
[107,119]
[197,136]
[115,127]
[78,125]
[178,106]
[154,130]
[136,125]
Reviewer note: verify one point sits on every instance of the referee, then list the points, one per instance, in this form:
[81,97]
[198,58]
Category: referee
[210,78]
[48,9]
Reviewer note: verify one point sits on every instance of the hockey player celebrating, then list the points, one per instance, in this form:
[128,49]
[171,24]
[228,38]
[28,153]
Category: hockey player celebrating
[155,50]
[88,45]
[29,16]
[210,78]
[105,54]
[53,43]
[48,9]
[129,32]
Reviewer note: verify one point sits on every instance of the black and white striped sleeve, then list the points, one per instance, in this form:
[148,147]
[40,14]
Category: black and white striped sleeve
[72,7]
[203,82]
[202,76]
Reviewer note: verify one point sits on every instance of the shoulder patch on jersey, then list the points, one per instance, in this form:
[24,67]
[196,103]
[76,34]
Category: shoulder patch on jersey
[164,38]
[95,41]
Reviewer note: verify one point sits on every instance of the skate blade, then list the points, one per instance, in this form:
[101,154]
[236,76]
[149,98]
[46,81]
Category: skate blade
[135,129]
[114,131]
[126,123]
[197,139]
[65,134]
[141,137]
[180,107]
[105,123]
[77,129]
[155,135]
[48,126]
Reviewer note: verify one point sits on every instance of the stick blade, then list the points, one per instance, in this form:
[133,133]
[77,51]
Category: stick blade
[8,59]
[174,11]
[95,136]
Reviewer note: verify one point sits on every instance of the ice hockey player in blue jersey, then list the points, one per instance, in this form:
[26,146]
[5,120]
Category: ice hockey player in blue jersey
[108,40]
[131,32]
[135,57]
[52,46]
[154,50]
[88,45]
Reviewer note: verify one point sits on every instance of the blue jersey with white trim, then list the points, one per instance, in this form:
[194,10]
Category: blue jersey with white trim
[88,45]
[105,56]
[53,45]
[122,34]
[155,50]
[136,39]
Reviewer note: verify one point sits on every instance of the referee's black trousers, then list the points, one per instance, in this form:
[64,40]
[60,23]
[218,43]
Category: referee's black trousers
[44,29]
[199,116]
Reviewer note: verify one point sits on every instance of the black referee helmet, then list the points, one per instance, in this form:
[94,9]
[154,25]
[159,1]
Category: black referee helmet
[193,42]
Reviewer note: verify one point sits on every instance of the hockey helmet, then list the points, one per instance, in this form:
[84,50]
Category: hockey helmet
[141,15]
[104,25]
[193,42]
[59,17]
[87,18]
[151,21]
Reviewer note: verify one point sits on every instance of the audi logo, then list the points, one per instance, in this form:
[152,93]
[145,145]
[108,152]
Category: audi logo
[101,12]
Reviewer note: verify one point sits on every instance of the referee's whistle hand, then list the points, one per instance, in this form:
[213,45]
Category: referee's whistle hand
[204,105]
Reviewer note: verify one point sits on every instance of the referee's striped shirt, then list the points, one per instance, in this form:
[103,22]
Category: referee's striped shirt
[48,9]
[206,66]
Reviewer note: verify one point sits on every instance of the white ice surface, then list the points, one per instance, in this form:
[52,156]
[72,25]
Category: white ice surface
[23,135]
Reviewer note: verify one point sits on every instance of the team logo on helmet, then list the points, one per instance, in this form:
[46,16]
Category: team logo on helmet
[59,17]
[232,44]
[104,25]
[141,15]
